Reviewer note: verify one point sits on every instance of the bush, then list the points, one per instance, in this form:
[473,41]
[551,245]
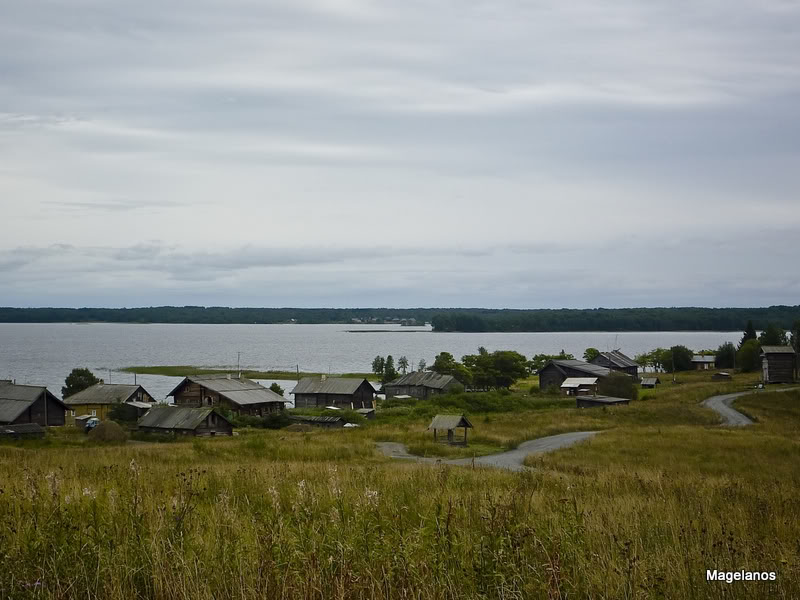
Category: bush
[748,358]
[108,431]
[456,389]
[534,390]
[618,385]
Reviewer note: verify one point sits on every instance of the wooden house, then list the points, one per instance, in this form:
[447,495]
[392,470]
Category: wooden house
[21,404]
[556,371]
[99,399]
[239,395]
[778,364]
[617,361]
[420,384]
[185,420]
[341,392]
[702,362]
[450,423]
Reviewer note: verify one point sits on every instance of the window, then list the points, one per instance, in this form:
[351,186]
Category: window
[72,413]
[94,413]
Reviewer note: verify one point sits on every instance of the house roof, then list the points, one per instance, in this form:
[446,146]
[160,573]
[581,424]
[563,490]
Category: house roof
[699,358]
[315,419]
[650,380]
[777,350]
[105,393]
[449,422]
[22,428]
[576,382]
[329,385]
[15,399]
[239,391]
[427,379]
[163,416]
[579,365]
[618,359]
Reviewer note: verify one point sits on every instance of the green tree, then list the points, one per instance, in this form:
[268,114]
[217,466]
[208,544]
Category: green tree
[748,358]
[725,356]
[402,363]
[421,364]
[618,385]
[540,360]
[677,358]
[445,364]
[749,334]
[590,354]
[773,336]
[276,388]
[389,372]
[378,365]
[78,380]
[509,366]
[795,339]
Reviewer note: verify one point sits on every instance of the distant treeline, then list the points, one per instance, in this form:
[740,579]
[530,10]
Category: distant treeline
[616,319]
[443,319]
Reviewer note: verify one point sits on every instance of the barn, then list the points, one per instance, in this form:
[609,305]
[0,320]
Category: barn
[556,371]
[30,404]
[779,364]
[240,395]
[184,420]
[420,384]
[341,392]
[617,361]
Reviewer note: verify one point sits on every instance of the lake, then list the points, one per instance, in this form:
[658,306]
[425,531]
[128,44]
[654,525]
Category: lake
[44,353]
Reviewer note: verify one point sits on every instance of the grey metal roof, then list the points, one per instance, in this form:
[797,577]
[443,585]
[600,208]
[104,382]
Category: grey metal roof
[576,382]
[15,399]
[579,365]
[138,404]
[449,422]
[329,385]
[708,358]
[777,350]
[239,391]
[618,359]
[650,380]
[164,416]
[427,379]
[104,393]
[11,409]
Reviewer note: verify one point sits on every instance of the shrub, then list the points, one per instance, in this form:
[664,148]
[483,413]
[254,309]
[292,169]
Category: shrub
[618,385]
[456,389]
[108,431]
[534,390]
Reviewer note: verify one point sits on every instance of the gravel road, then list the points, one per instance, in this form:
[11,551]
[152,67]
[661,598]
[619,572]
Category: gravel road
[722,406]
[511,460]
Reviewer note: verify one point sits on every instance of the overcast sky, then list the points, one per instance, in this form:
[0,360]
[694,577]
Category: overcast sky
[352,153]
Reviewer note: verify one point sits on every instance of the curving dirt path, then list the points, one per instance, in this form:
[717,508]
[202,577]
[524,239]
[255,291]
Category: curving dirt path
[511,460]
[722,406]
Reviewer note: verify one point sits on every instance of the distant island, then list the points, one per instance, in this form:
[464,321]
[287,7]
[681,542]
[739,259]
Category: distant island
[442,319]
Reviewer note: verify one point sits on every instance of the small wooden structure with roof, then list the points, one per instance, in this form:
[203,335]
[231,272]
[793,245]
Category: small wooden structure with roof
[650,382]
[778,364]
[574,386]
[450,423]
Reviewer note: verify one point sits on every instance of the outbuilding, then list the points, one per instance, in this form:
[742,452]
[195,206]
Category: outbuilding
[593,401]
[420,384]
[778,364]
[704,362]
[617,361]
[450,423]
[556,371]
[342,392]
[185,420]
[30,404]
[574,386]
[99,399]
[240,395]
[650,382]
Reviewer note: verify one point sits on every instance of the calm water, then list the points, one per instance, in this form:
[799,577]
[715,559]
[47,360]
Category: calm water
[45,353]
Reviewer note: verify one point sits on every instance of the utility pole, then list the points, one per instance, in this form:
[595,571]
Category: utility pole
[238,362]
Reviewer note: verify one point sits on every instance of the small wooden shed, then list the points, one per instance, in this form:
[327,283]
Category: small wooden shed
[450,423]
[778,364]
[650,382]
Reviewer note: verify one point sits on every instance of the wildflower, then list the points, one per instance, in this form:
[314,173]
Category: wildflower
[134,467]
[371,497]
[90,493]
[273,493]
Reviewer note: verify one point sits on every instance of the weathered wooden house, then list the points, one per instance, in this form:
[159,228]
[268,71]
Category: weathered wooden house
[341,392]
[99,399]
[30,404]
[778,364]
[617,361]
[420,384]
[450,423]
[556,371]
[185,420]
[239,395]
[704,362]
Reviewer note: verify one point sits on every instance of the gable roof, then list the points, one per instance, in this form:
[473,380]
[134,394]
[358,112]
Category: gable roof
[239,391]
[650,381]
[707,358]
[105,393]
[427,379]
[575,382]
[449,422]
[329,385]
[618,359]
[579,365]
[164,416]
[16,399]
[777,350]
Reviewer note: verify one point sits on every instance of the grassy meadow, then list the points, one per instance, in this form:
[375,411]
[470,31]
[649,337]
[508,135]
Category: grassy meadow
[639,511]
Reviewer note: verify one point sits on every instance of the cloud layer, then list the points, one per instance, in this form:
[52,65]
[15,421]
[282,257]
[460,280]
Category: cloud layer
[354,153]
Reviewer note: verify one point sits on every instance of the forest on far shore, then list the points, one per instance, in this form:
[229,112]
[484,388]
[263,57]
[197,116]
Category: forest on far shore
[442,319]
